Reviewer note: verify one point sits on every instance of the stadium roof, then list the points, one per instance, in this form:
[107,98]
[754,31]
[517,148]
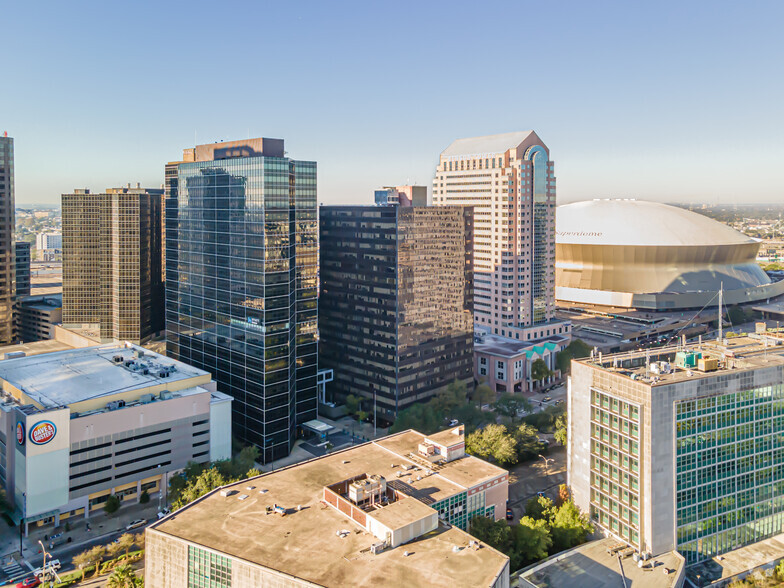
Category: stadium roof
[637,222]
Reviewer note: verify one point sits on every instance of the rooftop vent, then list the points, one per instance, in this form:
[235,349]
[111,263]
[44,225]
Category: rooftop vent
[226,492]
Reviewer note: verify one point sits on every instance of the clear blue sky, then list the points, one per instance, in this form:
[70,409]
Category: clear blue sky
[667,100]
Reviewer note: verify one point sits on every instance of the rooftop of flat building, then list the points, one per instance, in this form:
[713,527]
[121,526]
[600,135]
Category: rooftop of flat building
[63,377]
[492,344]
[688,361]
[592,565]
[258,147]
[318,543]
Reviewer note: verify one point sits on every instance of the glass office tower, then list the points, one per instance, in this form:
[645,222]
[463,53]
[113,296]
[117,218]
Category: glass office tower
[241,282]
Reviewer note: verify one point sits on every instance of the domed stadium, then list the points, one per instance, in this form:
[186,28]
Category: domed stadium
[648,255]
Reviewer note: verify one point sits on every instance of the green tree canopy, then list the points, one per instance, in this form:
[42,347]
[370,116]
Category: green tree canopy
[112,504]
[531,541]
[483,395]
[561,429]
[82,561]
[569,527]
[496,534]
[539,507]
[124,576]
[539,370]
[509,404]
[577,349]
[528,445]
[493,442]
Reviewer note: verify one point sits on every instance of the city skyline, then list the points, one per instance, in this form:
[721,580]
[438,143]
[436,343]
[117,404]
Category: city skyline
[648,101]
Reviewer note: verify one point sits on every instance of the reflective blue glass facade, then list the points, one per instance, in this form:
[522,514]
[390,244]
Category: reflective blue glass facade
[241,287]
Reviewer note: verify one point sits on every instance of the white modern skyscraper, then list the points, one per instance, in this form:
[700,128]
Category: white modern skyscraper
[509,181]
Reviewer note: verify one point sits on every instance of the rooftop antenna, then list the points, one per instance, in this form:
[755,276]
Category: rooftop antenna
[721,299]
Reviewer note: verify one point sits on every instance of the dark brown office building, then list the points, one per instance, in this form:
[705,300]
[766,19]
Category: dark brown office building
[396,302]
[113,263]
[7,224]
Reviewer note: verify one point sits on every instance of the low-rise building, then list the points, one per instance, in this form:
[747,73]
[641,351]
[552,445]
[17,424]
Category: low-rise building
[504,364]
[78,425]
[344,519]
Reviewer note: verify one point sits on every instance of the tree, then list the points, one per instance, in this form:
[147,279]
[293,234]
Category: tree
[577,349]
[112,504]
[144,498]
[205,482]
[539,370]
[531,541]
[125,542]
[493,442]
[82,561]
[483,395]
[528,444]
[123,576]
[97,554]
[362,416]
[563,494]
[539,508]
[496,534]
[562,429]
[568,527]
[352,404]
[509,404]
[139,539]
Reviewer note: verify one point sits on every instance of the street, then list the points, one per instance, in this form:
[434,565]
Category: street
[526,479]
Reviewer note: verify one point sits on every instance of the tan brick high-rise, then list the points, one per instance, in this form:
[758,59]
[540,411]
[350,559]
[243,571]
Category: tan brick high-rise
[112,263]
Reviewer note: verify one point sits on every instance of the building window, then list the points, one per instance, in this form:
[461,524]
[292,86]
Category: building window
[482,361]
[207,569]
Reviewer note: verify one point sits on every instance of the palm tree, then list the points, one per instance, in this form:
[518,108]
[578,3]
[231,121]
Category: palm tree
[97,554]
[140,540]
[123,576]
[125,542]
[82,560]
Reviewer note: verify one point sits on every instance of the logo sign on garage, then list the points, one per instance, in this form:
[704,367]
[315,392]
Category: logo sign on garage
[43,432]
[20,432]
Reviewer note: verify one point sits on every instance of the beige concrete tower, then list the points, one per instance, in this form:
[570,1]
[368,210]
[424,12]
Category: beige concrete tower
[509,181]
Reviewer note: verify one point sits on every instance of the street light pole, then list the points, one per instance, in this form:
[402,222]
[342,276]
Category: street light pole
[45,573]
[547,461]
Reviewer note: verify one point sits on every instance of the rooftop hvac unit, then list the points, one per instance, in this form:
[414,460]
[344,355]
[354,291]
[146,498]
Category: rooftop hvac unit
[146,398]
[117,359]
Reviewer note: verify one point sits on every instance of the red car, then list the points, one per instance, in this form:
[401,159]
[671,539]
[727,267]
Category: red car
[29,582]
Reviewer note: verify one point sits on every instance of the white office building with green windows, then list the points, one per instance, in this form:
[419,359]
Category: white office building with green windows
[681,448]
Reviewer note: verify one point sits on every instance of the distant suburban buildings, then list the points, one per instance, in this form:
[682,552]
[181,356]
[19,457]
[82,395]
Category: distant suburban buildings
[7,246]
[648,255]
[509,181]
[82,424]
[49,246]
[113,263]
[681,447]
[390,512]
[242,279]
[402,196]
[396,301]
[22,264]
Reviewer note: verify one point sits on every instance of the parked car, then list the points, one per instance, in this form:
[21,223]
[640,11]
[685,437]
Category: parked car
[51,566]
[540,494]
[136,524]
[543,441]
[547,399]
[509,514]
[454,423]
[163,512]
[29,582]
[58,539]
